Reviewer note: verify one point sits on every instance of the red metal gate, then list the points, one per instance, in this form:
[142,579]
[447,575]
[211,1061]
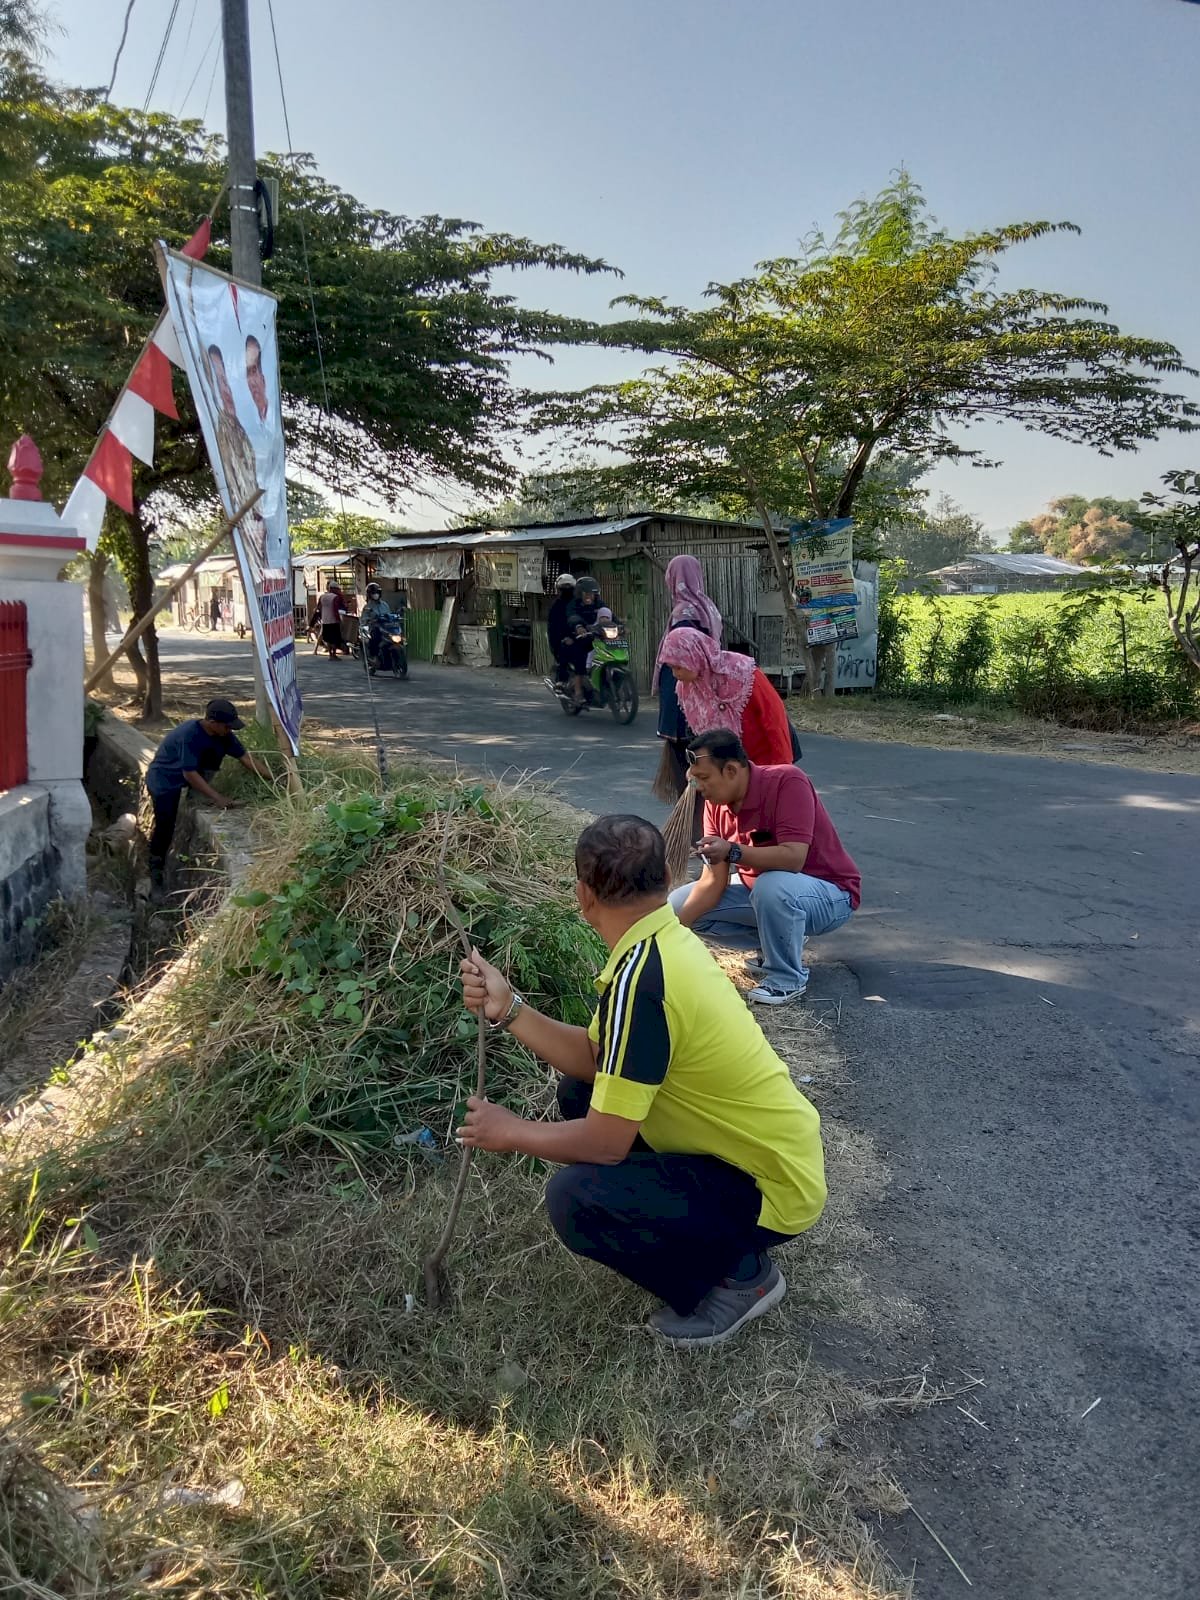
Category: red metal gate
[14,669]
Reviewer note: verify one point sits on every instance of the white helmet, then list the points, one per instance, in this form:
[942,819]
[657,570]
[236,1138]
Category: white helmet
[565,580]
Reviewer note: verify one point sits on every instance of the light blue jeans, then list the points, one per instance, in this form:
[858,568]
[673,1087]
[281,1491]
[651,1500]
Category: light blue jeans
[782,908]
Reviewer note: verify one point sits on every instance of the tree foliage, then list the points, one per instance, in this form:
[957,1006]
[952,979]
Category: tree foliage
[936,537]
[879,345]
[1078,529]
[1175,517]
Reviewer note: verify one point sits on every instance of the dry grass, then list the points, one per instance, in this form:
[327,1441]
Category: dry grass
[32,993]
[221,1368]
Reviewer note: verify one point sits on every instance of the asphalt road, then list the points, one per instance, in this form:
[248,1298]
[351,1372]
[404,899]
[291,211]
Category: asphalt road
[1022,1014]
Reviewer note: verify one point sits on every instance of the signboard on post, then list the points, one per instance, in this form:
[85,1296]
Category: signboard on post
[226,333]
[823,579]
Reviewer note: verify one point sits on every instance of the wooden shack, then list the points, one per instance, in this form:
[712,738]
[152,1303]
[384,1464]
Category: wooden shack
[493,587]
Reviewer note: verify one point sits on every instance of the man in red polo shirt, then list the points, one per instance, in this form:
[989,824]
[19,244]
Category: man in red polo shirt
[793,875]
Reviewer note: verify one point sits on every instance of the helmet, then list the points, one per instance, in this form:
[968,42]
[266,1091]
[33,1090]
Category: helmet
[565,580]
[374,592]
[586,586]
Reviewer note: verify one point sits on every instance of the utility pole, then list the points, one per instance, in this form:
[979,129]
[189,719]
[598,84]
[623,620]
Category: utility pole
[243,207]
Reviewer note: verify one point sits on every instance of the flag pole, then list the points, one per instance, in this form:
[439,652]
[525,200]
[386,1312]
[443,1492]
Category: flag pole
[142,624]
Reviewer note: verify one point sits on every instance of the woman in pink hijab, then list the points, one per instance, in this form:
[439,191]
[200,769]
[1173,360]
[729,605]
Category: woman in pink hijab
[690,608]
[718,689]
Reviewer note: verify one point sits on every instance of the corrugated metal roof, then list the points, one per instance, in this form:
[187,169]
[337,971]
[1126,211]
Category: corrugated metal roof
[326,558]
[499,537]
[1028,566]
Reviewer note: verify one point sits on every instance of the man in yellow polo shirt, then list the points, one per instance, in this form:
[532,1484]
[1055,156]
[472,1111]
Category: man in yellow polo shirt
[687,1150]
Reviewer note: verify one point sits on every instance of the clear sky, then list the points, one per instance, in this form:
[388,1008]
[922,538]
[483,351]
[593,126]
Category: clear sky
[685,140]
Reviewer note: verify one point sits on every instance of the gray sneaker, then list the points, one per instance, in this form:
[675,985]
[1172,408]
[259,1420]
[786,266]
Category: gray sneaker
[722,1311]
[755,966]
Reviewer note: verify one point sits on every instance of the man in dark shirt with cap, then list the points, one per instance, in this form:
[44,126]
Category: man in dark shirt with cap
[186,759]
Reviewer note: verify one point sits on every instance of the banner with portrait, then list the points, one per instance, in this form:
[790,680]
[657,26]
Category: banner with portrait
[226,331]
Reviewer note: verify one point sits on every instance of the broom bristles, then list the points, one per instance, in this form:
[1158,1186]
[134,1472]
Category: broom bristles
[671,778]
[679,835]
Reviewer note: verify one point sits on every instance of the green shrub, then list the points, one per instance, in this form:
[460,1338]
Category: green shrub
[1100,657]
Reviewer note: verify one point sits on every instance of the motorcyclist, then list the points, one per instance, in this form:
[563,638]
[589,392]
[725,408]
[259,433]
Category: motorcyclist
[582,616]
[370,623]
[557,627]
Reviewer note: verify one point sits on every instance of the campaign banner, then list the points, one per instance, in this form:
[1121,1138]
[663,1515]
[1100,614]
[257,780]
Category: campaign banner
[822,565]
[226,333]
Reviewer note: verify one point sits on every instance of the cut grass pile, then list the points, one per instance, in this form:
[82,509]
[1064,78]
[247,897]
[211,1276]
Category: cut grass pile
[213,1376]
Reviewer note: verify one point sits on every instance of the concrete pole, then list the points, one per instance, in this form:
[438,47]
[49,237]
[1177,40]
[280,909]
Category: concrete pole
[239,135]
[243,210]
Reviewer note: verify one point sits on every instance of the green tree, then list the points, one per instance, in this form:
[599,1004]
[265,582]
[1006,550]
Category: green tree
[1078,529]
[1174,520]
[877,345]
[342,531]
[935,538]
[1025,540]
[415,338]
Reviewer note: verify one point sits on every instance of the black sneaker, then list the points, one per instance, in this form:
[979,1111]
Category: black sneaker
[770,994]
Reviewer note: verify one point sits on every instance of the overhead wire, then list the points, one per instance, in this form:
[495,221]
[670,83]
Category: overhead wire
[380,753]
[120,49]
[162,54]
[200,65]
[183,55]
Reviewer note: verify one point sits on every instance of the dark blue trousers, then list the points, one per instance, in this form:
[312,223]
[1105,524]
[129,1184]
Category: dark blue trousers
[673,1224]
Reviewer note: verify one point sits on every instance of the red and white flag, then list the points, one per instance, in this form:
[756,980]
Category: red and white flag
[129,430]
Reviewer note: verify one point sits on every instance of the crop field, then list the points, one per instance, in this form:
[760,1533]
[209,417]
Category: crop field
[1096,658]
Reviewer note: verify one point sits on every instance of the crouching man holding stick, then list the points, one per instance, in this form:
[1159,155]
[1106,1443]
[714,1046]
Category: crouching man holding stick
[687,1151]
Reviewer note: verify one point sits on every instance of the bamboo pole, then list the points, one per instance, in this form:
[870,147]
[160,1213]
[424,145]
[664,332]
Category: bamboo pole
[143,623]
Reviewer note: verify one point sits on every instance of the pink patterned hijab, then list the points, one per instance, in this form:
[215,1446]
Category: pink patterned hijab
[690,604]
[723,683]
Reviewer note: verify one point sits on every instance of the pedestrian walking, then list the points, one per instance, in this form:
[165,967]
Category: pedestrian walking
[690,608]
[718,688]
[331,608]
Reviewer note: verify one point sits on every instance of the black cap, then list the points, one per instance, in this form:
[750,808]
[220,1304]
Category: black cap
[223,711]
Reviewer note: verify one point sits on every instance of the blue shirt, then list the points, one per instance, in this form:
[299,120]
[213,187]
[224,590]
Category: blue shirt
[188,748]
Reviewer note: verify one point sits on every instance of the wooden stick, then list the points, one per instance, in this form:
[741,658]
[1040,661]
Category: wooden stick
[433,1268]
[141,625]
[940,1546]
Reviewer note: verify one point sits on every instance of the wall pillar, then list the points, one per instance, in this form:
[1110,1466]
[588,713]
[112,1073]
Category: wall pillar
[34,547]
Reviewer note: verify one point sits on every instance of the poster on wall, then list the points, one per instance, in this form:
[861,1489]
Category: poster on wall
[823,578]
[517,571]
[226,331]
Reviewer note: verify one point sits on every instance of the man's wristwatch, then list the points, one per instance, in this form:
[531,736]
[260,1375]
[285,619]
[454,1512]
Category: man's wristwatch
[735,854]
[510,1016]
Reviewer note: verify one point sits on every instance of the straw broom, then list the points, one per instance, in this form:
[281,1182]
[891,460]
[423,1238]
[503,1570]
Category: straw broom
[679,832]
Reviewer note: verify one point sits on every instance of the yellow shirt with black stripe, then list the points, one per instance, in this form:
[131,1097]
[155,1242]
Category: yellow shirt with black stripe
[680,1054]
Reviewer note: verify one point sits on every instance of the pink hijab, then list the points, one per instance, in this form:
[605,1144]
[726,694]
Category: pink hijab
[722,688]
[689,603]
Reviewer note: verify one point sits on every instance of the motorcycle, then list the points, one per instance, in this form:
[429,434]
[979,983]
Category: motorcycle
[385,645]
[610,681]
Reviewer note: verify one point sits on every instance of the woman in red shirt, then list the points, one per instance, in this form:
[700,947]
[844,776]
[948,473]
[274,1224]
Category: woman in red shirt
[720,689]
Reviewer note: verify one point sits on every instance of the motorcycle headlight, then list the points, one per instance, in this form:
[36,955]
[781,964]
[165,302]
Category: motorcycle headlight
[612,633]
[397,638]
